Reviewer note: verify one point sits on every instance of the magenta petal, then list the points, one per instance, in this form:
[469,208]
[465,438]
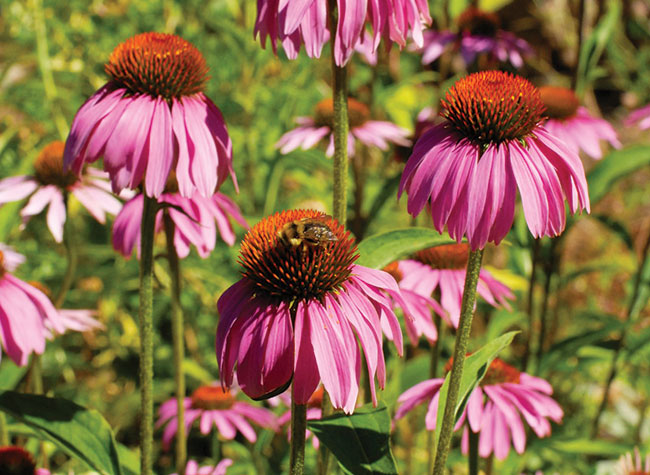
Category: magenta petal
[160,149]
[306,376]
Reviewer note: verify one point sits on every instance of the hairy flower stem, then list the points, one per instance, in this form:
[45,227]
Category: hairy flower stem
[473,457]
[341,126]
[70,244]
[298,433]
[178,348]
[460,350]
[642,277]
[146,334]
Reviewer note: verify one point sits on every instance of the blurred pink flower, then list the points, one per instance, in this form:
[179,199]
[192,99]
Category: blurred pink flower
[49,186]
[479,33]
[444,268]
[469,168]
[15,460]
[26,317]
[80,320]
[373,133]
[294,22]
[152,118]
[417,318]
[573,124]
[628,466]
[197,224]
[493,409]
[193,468]
[640,116]
[213,405]
[301,310]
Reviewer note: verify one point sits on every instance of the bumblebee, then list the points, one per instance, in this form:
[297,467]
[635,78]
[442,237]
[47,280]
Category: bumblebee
[308,232]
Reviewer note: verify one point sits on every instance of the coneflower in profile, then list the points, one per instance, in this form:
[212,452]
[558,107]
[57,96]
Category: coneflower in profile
[50,185]
[573,124]
[470,167]
[372,133]
[153,117]
[301,310]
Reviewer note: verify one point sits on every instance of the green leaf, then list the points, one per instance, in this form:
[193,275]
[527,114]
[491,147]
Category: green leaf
[360,442]
[642,289]
[11,374]
[476,366]
[79,432]
[381,249]
[587,447]
[560,351]
[617,165]
[617,227]
[593,47]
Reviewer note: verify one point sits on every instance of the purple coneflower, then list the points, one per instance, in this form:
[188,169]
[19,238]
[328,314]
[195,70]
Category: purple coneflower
[444,268]
[197,224]
[469,167]
[478,33]
[373,133]
[628,466]
[26,316]
[15,460]
[301,310]
[493,409]
[573,124]
[213,405]
[294,22]
[50,185]
[640,116]
[151,118]
[193,468]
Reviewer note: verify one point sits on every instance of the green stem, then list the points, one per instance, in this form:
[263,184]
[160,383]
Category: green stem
[460,350]
[473,458]
[70,245]
[43,58]
[178,348]
[298,433]
[146,334]
[4,433]
[341,126]
[543,315]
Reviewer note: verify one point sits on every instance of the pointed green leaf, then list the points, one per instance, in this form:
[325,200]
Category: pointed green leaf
[476,366]
[79,432]
[360,442]
[381,249]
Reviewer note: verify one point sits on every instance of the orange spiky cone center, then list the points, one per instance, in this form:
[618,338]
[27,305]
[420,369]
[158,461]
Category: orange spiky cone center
[158,64]
[358,113]
[302,270]
[211,398]
[16,461]
[492,107]
[561,103]
[477,22]
[2,264]
[48,167]
[448,256]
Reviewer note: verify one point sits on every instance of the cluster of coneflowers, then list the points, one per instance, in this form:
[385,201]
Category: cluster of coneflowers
[304,317]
